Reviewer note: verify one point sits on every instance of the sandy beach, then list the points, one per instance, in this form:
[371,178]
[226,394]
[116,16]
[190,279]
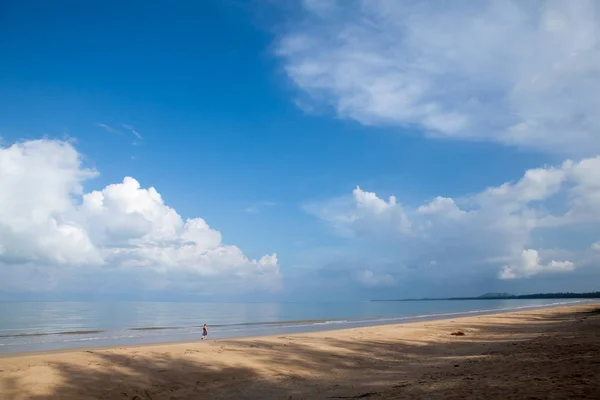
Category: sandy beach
[543,353]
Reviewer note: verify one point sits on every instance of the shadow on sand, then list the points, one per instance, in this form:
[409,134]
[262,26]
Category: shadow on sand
[499,360]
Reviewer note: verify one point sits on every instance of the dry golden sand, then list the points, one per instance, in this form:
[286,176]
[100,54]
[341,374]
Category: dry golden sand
[544,354]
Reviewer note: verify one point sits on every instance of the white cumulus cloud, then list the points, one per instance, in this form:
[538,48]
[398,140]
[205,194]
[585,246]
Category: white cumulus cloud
[529,265]
[516,72]
[53,234]
[364,213]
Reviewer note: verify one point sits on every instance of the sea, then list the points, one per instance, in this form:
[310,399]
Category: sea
[48,326]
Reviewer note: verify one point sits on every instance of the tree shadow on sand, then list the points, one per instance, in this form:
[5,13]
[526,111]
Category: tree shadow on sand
[506,359]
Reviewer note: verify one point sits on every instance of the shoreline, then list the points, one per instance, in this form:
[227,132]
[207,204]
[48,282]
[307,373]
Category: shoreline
[520,353]
[259,329]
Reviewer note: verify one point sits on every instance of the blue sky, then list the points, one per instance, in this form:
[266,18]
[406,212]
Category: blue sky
[262,120]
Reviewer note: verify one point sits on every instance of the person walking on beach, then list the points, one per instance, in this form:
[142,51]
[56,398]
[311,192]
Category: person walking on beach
[204,332]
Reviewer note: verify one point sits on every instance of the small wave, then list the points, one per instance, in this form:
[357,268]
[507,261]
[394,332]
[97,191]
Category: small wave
[81,332]
[154,328]
[461,313]
[69,340]
[270,323]
[14,335]
[342,321]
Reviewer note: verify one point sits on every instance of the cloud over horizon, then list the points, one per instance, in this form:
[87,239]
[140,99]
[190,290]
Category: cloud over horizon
[56,237]
[496,232]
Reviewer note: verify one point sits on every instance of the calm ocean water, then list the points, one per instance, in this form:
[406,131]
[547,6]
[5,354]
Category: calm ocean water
[31,326]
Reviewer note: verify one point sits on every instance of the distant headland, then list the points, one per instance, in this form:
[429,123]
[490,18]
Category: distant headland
[508,296]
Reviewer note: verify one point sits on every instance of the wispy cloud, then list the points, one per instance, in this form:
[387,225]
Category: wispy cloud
[138,136]
[256,208]
[109,129]
[454,70]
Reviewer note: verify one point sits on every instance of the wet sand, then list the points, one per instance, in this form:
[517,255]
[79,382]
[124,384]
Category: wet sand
[543,353]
